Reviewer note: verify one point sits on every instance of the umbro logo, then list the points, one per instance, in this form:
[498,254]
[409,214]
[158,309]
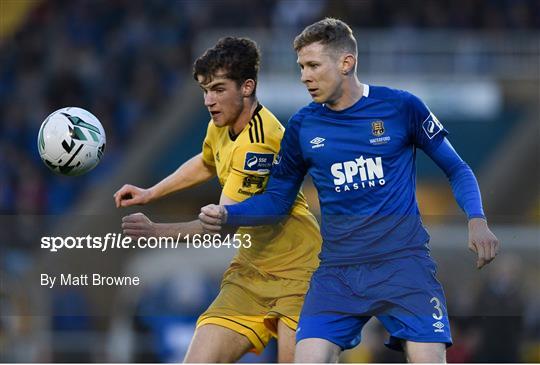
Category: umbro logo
[439,326]
[317,142]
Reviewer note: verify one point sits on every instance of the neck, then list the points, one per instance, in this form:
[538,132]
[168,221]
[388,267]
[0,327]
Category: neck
[351,91]
[244,117]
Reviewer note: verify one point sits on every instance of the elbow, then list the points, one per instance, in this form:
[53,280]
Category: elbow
[459,170]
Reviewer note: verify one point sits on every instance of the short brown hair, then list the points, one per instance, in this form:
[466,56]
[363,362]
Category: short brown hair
[331,32]
[239,58]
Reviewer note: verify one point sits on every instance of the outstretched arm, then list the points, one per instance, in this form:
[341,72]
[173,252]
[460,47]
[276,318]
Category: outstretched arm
[267,208]
[139,225]
[467,193]
[193,172]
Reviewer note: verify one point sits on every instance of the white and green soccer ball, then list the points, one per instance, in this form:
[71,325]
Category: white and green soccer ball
[71,141]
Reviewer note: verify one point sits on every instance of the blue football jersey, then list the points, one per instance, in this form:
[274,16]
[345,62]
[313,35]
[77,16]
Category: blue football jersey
[362,161]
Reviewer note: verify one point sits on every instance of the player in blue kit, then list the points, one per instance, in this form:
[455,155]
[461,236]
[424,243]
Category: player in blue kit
[358,142]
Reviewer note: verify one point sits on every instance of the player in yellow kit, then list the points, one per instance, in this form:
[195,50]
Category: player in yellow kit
[263,290]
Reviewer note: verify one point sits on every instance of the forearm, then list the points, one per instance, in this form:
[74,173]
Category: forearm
[267,208]
[466,191]
[191,173]
[464,184]
[181,228]
[282,189]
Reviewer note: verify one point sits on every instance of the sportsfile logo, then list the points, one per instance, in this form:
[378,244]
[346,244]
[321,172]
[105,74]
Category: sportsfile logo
[359,173]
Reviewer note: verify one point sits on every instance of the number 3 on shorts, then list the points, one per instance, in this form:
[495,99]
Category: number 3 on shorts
[437,306]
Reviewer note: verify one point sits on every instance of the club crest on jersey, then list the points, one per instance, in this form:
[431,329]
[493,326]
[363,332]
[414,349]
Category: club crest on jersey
[377,128]
[258,162]
[432,126]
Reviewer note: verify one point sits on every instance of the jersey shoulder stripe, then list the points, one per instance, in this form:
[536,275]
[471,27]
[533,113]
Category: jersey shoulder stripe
[251,133]
[256,128]
[260,123]
[253,127]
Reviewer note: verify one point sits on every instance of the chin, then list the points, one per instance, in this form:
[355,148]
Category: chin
[218,123]
[318,99]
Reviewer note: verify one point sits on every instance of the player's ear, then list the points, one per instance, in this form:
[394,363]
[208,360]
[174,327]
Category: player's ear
[348,64]
[248,88]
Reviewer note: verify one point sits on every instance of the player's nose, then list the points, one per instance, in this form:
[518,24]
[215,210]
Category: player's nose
[209,100]
[304,77]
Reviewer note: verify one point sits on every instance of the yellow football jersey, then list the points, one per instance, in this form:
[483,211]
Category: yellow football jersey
[289,249]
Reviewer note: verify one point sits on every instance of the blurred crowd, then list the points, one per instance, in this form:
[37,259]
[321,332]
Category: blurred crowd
[124,59]
[120,60]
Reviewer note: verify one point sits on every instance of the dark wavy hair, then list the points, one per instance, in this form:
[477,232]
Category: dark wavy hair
[239,58]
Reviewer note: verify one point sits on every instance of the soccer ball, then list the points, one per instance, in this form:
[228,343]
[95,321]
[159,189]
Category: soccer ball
[71,141]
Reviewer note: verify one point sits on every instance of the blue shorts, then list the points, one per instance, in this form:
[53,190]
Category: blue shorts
[403,293]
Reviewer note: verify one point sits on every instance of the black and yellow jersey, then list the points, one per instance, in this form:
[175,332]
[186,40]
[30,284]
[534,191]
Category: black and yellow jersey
[288,249]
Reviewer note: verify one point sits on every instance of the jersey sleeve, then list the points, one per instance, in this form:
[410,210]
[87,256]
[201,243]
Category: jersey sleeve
[250,168]
[285,181]
[426,131]
[462,179]
[290,163]
[207,151]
